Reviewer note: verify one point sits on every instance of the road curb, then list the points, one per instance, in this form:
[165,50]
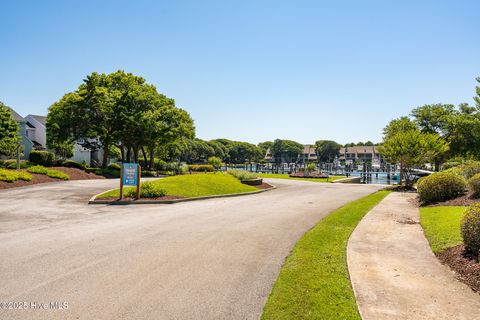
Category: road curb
[127,202]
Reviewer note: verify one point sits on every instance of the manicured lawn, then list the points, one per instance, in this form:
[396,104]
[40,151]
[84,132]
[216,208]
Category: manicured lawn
[442,226]
[314,282]
[196,185]
[286,176]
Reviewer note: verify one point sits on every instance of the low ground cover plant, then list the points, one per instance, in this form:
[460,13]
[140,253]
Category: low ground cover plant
[243,175]
[471,229]
[43,158]
[12,176]
[52,173]
[440,186]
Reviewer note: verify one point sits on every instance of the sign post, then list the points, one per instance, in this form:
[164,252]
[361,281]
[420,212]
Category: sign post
[130,176]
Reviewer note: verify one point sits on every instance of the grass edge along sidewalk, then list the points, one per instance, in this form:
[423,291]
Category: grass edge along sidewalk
[441,226]
[314,282]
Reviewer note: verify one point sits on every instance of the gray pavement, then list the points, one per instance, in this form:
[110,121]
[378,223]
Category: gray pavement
[394,273]
[211,259]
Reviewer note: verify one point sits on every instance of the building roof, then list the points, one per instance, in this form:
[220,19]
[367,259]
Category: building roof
[308,149]
[359,150]
[41,119]
[15,115]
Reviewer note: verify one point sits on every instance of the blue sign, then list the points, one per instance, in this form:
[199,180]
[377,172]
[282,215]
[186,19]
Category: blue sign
[130,174]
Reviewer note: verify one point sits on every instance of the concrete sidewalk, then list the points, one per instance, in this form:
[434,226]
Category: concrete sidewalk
[394,273]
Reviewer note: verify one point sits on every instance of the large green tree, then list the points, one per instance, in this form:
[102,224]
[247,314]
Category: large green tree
[118,109]
[9,132]
[286,151]
[327,150]
[412,149]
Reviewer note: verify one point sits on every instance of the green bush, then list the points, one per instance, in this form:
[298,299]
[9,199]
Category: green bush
[201,167]
[474,185]
[470,168]
[114,166]
[73,164]
[215,162]
[43,158]
[471,229]
[440,186]
[147,173]
[91,170]
[242,175]
[12,164]
[57,174]
[12,176]
[147,190]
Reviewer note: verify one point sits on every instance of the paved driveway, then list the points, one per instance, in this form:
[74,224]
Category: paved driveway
[212,259]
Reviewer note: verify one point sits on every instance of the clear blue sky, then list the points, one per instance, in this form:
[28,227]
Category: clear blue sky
[251,70]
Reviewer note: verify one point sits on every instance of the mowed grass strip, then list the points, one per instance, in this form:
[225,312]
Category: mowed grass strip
[286,176]
[314,282]
[441,226]
[195,185]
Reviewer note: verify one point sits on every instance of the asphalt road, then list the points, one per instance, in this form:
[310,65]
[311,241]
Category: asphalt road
[212,259]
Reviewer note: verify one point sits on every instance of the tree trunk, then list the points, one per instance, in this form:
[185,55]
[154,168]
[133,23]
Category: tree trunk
[152,157]
[146,162]
[129,153]
[135,154]
[105,155]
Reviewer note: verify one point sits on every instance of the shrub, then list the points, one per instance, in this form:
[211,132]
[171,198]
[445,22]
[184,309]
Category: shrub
[12,176]
[470,168]
[57,174]
[147,190]
[12,164]
[114,166]
[474,185]
[43,158]
[471,229]
[440,186]
[215,162]
[201,167]
[242,175]
[147,173]
[91,170]
[73,164]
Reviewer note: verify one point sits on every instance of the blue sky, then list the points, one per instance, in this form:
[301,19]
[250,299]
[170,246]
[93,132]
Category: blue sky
[251,70]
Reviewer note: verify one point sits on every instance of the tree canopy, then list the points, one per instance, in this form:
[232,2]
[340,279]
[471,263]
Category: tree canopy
[118,109]
[9,132]
[286,151]
[327,150]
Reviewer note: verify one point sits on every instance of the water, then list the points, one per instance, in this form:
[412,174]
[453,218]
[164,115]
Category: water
[377,177]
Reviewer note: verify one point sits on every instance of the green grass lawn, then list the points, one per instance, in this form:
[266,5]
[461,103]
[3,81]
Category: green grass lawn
[314,282]
[442,226]
[196,185]
[286,176]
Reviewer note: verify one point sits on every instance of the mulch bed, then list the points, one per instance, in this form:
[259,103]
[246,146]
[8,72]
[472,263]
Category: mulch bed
[465,266]
[264,185]
[74,173]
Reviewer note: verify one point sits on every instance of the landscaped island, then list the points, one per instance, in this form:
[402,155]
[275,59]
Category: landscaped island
[186,186]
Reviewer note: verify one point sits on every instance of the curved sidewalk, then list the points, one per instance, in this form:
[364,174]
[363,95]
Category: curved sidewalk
[394,273]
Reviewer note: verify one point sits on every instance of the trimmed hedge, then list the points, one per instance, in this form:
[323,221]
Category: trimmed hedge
[201,167]
[471,229]
[12,164]
[43,158]
[474,185]
[440,186]
[114,166]
[73,164]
